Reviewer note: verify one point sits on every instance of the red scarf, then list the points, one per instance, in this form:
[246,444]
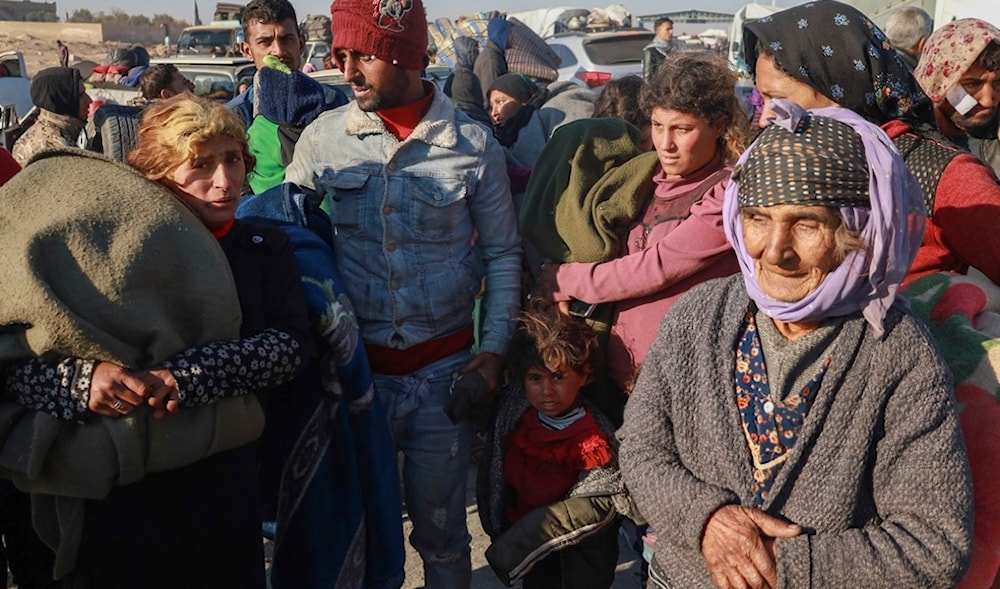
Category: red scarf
[543,464]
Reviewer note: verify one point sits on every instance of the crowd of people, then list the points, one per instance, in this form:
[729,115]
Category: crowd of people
[645,312]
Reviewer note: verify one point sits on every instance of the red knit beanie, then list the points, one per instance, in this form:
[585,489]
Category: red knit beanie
[391,30]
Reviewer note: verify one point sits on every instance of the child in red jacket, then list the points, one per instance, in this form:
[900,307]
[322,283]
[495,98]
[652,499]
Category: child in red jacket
[551,453]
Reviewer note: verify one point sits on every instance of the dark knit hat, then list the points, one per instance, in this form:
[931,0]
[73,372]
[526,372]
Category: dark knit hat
[57,89]
[517,86]
[391,30]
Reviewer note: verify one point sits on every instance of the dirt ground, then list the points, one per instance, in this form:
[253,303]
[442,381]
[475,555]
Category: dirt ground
[40,51]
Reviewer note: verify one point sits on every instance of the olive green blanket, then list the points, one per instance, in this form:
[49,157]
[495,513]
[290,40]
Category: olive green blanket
[98,262]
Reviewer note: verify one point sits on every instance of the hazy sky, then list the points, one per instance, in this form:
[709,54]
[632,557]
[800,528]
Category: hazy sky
[435,8]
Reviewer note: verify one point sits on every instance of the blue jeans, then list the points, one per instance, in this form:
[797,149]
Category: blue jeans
[435,468]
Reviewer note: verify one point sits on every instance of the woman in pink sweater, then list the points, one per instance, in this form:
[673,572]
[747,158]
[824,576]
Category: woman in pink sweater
[676,241]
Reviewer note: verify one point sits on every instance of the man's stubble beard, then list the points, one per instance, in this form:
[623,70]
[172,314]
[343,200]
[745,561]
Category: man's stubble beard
[975,126]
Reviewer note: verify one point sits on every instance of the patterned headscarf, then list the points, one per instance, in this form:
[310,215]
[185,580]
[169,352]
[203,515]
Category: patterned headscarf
[820,163]
[950,51]
[891,223]
[840,53]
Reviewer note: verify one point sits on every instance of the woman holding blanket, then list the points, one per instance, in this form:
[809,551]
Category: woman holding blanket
[197,525]
[675,239]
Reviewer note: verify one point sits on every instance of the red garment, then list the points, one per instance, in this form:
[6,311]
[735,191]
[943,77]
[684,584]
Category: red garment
[543,464]
[220,232]
[395,362]
[402,120]
[8,166]
[962,231]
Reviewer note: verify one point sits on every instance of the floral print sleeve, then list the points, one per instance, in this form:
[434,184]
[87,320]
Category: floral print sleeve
[208,373]
[60,387]
[204,374]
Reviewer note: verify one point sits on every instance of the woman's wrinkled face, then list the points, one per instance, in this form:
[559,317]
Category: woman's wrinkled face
[684,142]
[503,107]
[773,83]
[211,182]
[554,393]
[793,247]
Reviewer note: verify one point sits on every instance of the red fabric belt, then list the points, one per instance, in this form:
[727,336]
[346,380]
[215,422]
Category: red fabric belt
[396,362]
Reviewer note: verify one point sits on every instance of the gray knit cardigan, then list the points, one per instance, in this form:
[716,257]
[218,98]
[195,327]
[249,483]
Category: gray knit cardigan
[879,478]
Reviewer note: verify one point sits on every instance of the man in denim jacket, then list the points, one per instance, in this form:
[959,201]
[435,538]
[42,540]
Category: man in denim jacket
[421,207]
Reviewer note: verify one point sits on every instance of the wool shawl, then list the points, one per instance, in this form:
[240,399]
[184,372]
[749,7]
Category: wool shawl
[343,494]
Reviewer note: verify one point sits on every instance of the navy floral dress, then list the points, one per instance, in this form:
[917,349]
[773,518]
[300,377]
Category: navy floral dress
[771,426]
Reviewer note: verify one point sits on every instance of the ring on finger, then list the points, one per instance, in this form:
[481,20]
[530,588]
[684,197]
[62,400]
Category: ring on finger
[117,405]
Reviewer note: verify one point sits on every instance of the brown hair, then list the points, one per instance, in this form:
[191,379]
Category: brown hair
[267,12]
[545,338]
[172,130]
[156,77]
[620,99]
[702,86]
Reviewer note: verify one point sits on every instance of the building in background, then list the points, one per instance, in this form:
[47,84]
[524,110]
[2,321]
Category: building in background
[19,10]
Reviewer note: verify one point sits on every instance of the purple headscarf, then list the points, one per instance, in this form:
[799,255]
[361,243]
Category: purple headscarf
[892,229]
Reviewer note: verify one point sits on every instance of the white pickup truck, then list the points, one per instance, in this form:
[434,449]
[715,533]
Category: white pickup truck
[213,77]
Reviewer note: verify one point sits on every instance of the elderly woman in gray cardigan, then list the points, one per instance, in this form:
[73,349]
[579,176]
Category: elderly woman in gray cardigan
[795,426]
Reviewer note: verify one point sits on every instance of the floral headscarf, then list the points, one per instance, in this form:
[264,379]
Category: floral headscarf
[839,52]
[891,225]
[950,51]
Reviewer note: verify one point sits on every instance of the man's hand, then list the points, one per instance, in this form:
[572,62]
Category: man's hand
[115,391]
[489,365]
[738,546]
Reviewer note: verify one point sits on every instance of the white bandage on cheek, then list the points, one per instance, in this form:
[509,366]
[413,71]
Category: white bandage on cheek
[960,100]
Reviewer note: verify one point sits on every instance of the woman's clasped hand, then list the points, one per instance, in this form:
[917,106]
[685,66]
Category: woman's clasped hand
[116,391]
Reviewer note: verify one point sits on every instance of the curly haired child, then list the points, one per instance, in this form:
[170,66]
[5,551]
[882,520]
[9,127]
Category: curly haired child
[550,494]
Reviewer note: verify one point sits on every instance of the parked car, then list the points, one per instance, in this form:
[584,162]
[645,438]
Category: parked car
[314,53]
[437,74]
[213,77]
[223,38]
[15,93]
[594,59]
[113,126]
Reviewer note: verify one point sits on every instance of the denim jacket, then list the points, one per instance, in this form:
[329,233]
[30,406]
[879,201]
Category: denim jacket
[415,221]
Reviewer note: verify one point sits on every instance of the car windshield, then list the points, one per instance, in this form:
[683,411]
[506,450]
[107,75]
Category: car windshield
[204,41]
[614,50]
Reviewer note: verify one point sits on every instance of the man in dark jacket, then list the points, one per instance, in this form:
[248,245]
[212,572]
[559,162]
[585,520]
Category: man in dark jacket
[663,43]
